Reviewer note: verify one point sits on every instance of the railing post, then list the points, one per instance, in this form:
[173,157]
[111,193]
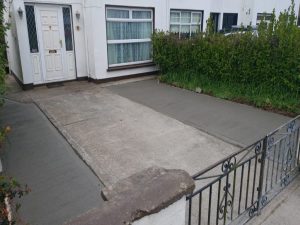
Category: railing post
[298,149]
[261,175]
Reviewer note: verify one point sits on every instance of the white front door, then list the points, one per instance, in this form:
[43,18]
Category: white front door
[57,63]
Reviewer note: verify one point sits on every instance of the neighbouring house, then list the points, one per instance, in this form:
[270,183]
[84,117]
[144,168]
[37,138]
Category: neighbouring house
[60,40]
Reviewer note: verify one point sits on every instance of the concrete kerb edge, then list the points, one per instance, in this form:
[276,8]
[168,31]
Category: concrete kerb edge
[80,152]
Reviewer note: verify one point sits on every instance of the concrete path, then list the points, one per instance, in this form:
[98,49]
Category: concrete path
[235,123]
[62,185]
[282,210]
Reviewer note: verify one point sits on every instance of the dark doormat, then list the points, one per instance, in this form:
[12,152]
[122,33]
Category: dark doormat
[54,85]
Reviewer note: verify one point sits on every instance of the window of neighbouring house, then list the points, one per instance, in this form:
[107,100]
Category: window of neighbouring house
[263,17]
[185,23]
[298,20]
[129,35]
[31,27]
[229,20]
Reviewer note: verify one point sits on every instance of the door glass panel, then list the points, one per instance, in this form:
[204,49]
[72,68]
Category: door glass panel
[68,28]
[31,27]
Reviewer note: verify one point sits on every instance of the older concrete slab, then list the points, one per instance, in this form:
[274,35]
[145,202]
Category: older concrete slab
[118,137]
[232,122]
[36,154]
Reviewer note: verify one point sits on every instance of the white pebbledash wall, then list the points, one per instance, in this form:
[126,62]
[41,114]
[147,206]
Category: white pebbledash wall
[172,215]
[90,30]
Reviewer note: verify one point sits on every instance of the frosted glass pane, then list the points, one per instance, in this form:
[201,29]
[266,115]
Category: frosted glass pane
[68,28]
[117,13]
[31,27]
[141,15]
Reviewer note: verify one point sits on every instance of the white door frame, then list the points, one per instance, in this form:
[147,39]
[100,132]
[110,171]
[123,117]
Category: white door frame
[59,7]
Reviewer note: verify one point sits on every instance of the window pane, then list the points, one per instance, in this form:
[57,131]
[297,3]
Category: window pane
[129,52]
[117,13]
[68,29]
[31,27]
[298,22]
[195,29]
[185,31]
[196,18]
[128,30]
[175,28]
[185,17]
[175,17]
[141,15]
[229,20]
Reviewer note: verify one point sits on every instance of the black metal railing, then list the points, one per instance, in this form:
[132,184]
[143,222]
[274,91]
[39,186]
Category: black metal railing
[236,188]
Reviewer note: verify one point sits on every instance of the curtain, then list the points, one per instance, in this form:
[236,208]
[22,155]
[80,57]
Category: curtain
[128,30]
[129,52]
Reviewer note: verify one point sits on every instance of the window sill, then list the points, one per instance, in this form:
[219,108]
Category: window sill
[133,66]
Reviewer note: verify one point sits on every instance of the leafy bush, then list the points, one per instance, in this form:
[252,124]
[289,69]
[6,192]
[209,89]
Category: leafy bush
[261,69]
[3,29]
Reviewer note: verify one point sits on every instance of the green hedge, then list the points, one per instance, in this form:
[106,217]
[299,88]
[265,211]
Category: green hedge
[3,29]
[263,70]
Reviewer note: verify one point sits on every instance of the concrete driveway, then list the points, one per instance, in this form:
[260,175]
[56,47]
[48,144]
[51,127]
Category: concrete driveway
[118,137]
[235,123]
[119,130]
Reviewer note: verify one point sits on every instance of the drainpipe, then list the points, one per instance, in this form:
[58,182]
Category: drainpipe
[86,41]
[167,15]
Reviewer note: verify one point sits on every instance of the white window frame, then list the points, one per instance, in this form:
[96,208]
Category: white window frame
[180,11]
[264,15]
[124,41]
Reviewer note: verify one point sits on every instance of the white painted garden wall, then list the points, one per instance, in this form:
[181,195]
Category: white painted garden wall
[172,215]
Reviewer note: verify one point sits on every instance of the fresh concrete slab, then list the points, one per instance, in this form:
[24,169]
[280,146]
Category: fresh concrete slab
[235,123]
[36,154]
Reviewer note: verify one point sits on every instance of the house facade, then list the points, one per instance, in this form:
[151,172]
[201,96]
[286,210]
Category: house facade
[59,40]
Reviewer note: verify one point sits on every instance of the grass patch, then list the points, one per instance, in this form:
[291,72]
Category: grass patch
[258,96]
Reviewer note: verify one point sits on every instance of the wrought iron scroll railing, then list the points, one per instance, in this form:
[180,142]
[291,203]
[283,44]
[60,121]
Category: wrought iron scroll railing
[235,189]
